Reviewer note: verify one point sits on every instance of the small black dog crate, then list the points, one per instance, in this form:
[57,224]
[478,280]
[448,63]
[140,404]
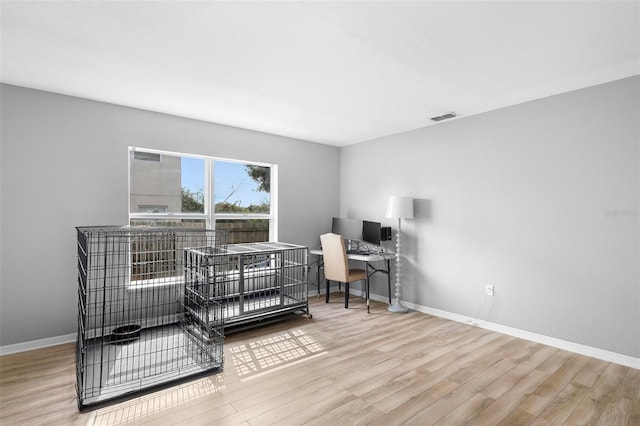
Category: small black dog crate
[133,331]
[252,281]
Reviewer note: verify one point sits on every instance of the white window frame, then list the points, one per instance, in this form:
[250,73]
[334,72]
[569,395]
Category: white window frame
[209,215]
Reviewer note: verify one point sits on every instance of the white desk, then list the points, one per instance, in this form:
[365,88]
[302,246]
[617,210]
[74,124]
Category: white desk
[385,257]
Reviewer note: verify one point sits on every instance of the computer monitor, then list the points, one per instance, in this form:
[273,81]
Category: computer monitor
[371,232]
[350,229]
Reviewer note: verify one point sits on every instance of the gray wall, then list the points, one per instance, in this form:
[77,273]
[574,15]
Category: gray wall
[540,199]
[64,164]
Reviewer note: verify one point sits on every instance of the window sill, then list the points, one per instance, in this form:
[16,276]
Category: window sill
[155,283]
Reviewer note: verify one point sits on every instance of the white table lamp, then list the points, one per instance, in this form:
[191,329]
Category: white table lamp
[400,208]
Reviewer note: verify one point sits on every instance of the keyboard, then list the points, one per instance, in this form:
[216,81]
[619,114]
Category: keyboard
[360,252]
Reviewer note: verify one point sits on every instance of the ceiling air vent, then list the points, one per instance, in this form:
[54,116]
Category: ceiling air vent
[444,116]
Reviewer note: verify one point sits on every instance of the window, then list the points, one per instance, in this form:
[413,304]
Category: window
[171,189]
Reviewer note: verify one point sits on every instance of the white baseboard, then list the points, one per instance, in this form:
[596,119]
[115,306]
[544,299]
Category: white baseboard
[37,344]
[590,351]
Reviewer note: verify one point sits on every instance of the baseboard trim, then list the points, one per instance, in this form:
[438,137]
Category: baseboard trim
[37,344]
[616,358]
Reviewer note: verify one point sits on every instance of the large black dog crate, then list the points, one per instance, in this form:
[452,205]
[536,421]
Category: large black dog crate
[135,331]
[253,282]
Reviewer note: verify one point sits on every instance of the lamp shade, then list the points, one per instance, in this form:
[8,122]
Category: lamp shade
[400,207]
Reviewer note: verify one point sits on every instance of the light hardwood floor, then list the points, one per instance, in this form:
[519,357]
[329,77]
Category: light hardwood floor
[346,367]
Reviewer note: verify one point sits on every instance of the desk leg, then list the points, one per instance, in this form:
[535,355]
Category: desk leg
[389,279]
[367,285]
[374,271]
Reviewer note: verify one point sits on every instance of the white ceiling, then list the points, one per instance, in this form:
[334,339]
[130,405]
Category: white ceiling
[329,72]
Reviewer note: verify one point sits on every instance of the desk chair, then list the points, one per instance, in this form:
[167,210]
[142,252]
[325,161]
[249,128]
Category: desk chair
[336,266]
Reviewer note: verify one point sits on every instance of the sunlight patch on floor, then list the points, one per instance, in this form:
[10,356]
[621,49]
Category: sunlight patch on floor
[156,402]
[272,352]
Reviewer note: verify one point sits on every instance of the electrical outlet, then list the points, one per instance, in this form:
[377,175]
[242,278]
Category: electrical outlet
[488,290]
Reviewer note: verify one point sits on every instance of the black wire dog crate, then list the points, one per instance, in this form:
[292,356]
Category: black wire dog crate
[252,282]
[133,331]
